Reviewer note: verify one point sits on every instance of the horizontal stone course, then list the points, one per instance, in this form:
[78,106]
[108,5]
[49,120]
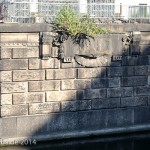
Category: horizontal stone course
[31,97]
[14,64]
[142,90]
[61,74]
[44,108]
[75,84]
[69,106]
[61,95]
[14,87]
[48,85]
[44,64]
[6,99]
[94,93]
[91,73]
[105,103]
[14,110]
[25,52]
[5,53]
[28,75]
[134,81]
[134,101]
[5,76]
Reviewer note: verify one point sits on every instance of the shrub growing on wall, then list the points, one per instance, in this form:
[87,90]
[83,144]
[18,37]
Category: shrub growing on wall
[69,24]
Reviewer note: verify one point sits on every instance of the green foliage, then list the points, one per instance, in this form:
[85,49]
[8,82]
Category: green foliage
[68,21]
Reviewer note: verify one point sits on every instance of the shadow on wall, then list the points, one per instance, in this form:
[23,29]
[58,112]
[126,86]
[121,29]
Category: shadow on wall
[109,99]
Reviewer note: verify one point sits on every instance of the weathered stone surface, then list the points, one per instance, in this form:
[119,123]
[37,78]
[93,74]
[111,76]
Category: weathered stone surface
[149,80]
[142,90]
[94,93]
[84,105]
[69,106]
[33,37]
[75,84]
[114,82]
[44,64]
[129,61]
[61,95]
[14,110]
[105,103]
[44,108]
[5,53]
[141,70]
[26,52]
[61,74]
[13,37]
[99,83]
[28,75]
[142,115]
[98,62]
[128,71]
[13,64]
[120,117]
[32,97]
[44,85]
[8,127]
[135,81]
[5,99]
[127,91]
[134,101]
[115,72]
[12,87]
[114,92]
[91,73]
[5,76]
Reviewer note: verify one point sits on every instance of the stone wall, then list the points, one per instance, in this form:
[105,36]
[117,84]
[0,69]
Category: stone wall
[47,98]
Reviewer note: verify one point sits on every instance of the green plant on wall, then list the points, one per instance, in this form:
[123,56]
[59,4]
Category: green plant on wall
[68,23]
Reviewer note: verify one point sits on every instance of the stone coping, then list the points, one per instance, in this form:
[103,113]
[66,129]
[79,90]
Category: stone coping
[43,27]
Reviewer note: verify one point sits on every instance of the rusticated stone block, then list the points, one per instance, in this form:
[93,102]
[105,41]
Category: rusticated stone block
[105,103]
[33,37]
[128,71]
[84,105]
[134,101]
[142,90]
[44,85]
[14,87]
[27,75]
[75,84]
[149,80]
[13,64]
[44,64]
[14,110]
[6,99]
[114,82]
[99,83]
[32,97]
[44,108]
[129,61]
[141,70]
[114,92]
[61,74]
[5,53]
[115,72]
[94,93]
[91,73]
[60,95]
[26,52]
[5,76]
[135,81]
[127,91]
[69,106]
[14,37]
